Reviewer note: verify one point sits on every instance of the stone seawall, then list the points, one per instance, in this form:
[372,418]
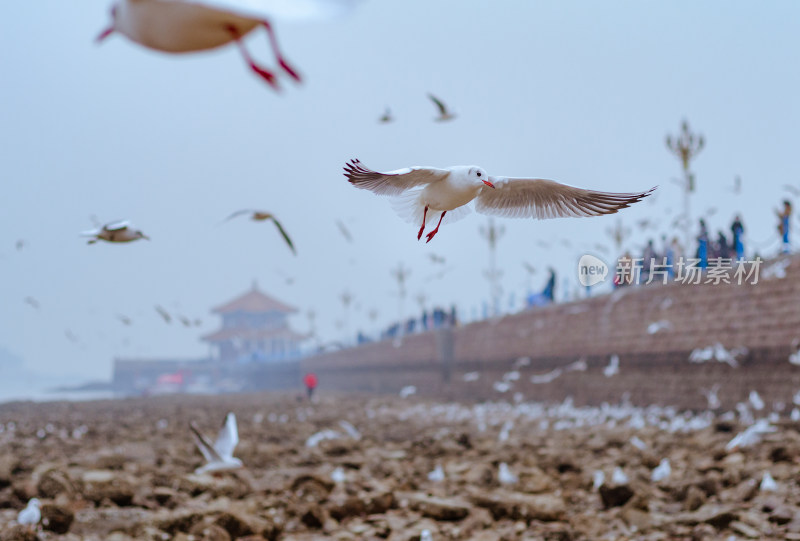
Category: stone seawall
[748,330]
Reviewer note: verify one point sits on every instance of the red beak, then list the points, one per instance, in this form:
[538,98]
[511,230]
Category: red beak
[104,34]
[488,183]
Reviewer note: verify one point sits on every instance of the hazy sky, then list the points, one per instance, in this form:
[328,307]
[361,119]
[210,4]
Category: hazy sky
[583,93]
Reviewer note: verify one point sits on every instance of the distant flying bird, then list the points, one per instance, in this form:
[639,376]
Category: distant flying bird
[115,232]
[436,259]
[711,211]
[260,216]
[737,185]
[33,303]
[792,190]
[386,117]
[71,336]
[124,319]
[31,515]
[344,231]
[444,112]
[528,267]
[182,26]
[566,243]
[198,322]
[20,244]
[542,244]
[219,455]
[164,314]
[421,191]
[185,320]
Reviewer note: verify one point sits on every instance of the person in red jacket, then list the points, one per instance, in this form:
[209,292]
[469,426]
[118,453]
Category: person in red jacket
[310,381]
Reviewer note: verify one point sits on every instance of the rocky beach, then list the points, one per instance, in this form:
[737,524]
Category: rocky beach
[353,467]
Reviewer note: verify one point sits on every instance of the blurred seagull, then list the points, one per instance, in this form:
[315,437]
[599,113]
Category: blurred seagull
[344,231]
[386,117]
[181,26]
[33,303]
[185,320]
[423,190]
[444,113]
[115,232]
[31,515]
[20,244]
[164,314]
[219,456]
[792,190]
[436,259]
[124,319]
[260,216]
[528,267]
[737,185]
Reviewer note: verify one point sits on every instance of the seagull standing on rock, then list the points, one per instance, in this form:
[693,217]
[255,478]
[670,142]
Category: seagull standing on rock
[31,515]
[182,26]
[425,193]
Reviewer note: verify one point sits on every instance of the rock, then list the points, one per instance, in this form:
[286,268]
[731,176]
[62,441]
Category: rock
[179,522]
[8,463]
[99,485]
[719,516]
[57,518]
[53,482]
[209,532]
[637,519]
[234,525]
[615,495]
[439,508]
[313,517]
[782,514]
[17,532]
[516,506]
[165,497]
[745,529]
[312,487]
[695,498]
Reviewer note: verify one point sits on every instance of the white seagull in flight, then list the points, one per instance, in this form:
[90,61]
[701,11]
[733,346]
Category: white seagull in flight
[219,456]
[422,193]
[182,26]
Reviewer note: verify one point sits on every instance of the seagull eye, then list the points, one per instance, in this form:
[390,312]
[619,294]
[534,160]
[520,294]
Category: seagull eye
[479,173]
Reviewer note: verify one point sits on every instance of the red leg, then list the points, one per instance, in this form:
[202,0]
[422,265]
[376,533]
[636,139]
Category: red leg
[274,42]
[263,73]
[433,233]
[421,229]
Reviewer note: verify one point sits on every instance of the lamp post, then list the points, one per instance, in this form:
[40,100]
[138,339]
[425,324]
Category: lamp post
[492,234]
[401,274]
[686,146]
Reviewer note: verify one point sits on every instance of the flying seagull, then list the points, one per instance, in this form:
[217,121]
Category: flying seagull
[182,26]
[163,313]
[219,456]
[424,191]
[444,113]
[260,216]
[386,117]
[344,231]
[115,232]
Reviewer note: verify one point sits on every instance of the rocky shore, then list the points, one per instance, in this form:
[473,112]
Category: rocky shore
[355,467]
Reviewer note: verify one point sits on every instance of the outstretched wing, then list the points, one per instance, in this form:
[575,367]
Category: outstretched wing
[237,213]
[228,438]
[442,107]
[289,10]
[208,451]
[117,226]
[542,199]
[284,235]
[392,182]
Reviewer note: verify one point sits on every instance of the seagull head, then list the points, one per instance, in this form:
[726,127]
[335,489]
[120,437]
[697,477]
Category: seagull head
[140,235]
[111,29]
[479,176]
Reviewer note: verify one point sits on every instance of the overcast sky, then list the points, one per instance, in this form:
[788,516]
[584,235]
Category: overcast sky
[583,93]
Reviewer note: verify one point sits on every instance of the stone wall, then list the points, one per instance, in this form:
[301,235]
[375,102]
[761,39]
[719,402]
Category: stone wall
[652,329]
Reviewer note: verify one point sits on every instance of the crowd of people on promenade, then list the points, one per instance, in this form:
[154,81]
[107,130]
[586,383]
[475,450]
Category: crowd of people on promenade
[719,250]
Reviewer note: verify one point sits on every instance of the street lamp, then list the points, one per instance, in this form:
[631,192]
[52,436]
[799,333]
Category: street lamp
[686,147]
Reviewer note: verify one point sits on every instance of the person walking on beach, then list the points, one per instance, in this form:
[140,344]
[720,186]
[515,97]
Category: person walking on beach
[738,230]
[310,381]
[783,224]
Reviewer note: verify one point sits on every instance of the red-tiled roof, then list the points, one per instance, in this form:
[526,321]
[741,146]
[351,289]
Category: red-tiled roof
[252,334]
[254,302]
